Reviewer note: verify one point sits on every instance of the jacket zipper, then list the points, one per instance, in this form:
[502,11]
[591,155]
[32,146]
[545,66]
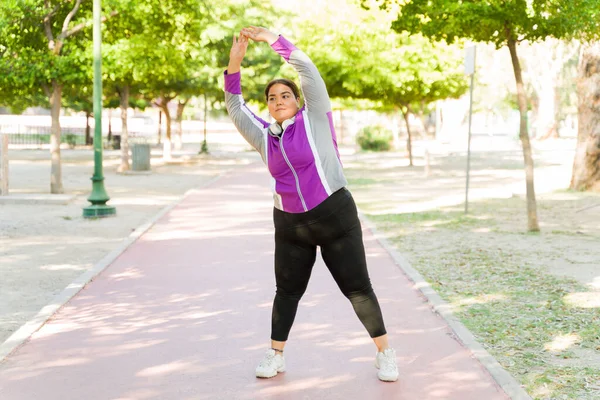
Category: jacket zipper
[293,172]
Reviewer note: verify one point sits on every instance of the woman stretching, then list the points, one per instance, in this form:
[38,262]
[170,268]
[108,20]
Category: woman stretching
[312,206]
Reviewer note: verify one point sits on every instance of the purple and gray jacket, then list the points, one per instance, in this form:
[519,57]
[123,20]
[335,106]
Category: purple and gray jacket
[304,161]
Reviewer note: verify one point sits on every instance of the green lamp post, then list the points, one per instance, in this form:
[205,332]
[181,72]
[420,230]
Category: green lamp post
[98,197]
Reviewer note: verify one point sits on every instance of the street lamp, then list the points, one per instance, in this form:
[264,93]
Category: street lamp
[98,197]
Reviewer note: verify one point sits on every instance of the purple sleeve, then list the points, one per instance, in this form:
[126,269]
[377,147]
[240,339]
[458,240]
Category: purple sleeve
[233,83]
[284,47]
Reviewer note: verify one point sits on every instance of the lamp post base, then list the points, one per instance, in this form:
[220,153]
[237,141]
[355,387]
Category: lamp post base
[99,211]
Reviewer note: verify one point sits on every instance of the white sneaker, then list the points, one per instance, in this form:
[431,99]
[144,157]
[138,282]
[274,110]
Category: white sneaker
[272,363]
[386,362]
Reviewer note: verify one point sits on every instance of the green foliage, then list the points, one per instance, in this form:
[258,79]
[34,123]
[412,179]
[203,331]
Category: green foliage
[497,21]
[156,47]
[375,138]
[261,63]
[360,57]
[148,47]
[71,139]
[179,48]
[30,61]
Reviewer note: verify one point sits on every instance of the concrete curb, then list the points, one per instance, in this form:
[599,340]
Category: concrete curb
[505,380]
[45,199]
[22,335]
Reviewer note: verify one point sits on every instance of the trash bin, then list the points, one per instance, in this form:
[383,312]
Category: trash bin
[140,157]
[116,142]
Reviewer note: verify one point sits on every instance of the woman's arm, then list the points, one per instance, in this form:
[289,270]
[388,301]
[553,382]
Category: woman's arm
[248,124]
[313,86]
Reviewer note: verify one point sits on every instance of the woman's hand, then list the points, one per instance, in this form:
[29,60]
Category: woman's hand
[237,53]
[238,48]
[259,34]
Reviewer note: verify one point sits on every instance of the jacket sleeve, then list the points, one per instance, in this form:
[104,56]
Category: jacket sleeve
[311,82]
[252,128]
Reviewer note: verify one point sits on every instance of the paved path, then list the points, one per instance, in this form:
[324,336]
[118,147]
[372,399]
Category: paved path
[184,313]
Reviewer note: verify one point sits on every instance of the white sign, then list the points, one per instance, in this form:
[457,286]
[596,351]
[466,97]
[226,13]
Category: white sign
[470,60]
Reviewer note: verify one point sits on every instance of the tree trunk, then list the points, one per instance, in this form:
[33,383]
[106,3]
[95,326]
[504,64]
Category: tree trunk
[395,128]
[204,147]
[532,219]
[159,127]
[205,116]
[88,135]
[409,138]
[124,131]
[109,138]
[56,186]
[586,166]
[179,118]
[424,119]
[167,148]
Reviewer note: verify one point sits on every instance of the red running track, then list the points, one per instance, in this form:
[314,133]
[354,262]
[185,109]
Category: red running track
[184,313]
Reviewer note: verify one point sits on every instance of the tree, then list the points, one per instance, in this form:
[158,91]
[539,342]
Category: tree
[162,91]
[504,23]
[421,73]
[261,63]
[123,54]
[186,59]
[366,60]
[139,49]
[586,166]
[44,48]
[77,92]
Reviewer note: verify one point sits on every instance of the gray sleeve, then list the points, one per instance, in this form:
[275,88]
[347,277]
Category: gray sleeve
[311,82]
[251,127]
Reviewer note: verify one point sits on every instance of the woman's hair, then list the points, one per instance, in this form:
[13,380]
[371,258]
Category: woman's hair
[285,82]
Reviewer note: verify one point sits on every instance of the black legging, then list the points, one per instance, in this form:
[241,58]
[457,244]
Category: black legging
[334,226]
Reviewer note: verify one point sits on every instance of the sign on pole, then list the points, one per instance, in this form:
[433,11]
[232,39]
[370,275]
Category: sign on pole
[469,70]
[470,60]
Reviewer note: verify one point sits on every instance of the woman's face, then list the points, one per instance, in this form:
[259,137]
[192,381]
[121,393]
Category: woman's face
[282,103]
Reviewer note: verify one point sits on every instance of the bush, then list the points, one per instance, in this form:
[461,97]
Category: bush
[375,137]
[71,140]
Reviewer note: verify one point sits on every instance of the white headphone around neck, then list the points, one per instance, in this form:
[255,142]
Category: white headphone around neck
[277,129]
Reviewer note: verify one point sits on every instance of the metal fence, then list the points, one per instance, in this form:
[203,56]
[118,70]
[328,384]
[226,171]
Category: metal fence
[24,136]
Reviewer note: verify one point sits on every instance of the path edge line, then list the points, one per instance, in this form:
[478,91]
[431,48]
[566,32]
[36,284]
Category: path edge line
[502,377]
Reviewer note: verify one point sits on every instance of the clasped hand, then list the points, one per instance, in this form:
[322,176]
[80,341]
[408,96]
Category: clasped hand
[258,34]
